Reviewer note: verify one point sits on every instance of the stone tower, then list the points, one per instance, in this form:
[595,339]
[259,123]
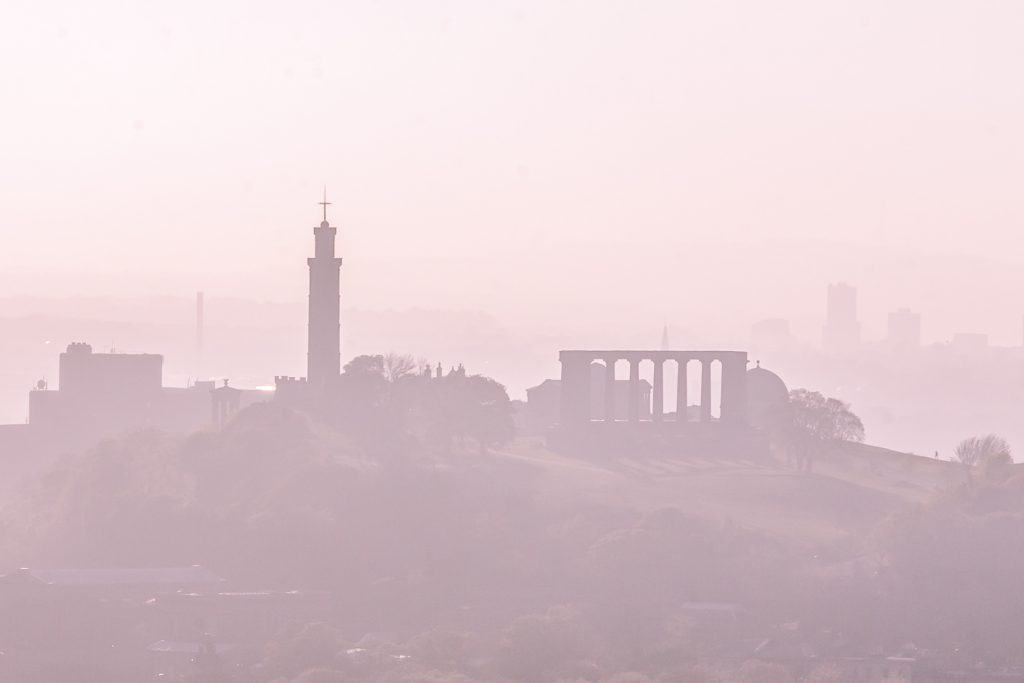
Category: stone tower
[324,342]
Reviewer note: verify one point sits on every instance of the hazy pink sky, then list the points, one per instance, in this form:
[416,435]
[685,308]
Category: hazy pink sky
[547,161]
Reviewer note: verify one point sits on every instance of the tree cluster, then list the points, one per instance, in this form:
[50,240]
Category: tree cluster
[392,399]
[810,423]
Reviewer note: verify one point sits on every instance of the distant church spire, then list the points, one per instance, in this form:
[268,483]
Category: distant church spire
[664,338]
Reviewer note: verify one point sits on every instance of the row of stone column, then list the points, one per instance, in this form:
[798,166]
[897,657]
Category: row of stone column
[576,384]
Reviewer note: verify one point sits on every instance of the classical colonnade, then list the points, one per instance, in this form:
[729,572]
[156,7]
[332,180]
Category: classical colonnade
[575,384]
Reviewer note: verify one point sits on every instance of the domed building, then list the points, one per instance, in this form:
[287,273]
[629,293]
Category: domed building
[766,392]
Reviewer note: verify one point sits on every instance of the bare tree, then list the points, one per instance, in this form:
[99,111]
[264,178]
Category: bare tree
[978,449]
[991,452]
[398,365]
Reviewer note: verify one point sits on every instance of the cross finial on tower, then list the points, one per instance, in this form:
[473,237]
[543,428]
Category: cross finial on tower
[325,203]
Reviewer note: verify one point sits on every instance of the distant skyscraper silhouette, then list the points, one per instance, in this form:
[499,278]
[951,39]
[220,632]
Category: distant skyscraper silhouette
[324,341]
[665,346]
[842,331]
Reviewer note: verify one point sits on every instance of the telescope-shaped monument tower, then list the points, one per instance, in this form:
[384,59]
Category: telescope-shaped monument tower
[323,357]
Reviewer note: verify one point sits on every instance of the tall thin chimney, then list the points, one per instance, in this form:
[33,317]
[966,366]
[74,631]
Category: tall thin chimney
[199,335]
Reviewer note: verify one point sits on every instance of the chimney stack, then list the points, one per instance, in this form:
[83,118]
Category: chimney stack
[199,335]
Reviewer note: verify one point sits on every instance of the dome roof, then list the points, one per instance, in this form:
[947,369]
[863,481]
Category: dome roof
[764,387]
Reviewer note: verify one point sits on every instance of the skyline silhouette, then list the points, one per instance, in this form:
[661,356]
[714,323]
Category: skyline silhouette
[674,342]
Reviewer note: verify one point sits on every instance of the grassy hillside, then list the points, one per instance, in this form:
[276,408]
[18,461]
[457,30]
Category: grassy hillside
[849,490]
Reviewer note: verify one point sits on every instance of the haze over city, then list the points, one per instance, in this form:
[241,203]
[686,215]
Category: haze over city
[511,341]
[530,160]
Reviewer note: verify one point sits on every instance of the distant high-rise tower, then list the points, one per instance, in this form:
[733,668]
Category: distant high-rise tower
[665,346]
[842,331]
[324,343]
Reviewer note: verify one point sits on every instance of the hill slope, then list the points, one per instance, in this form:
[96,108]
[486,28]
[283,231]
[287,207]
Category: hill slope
[849,490]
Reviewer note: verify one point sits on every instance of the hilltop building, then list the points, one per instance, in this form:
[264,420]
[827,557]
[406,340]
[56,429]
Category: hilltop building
[766,395]
[98,393]
[544,400]
[102,394]
[589,408]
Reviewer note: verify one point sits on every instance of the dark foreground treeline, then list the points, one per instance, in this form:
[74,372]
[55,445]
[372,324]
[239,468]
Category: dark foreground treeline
[417,562]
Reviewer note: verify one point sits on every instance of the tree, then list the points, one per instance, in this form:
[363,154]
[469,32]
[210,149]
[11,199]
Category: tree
[382,398]
[477,407]
[364,366]
[977,449]
[951,577]
[360,398]
[991,452]
[443,410]
[824,419]
[810,422]
[399,365]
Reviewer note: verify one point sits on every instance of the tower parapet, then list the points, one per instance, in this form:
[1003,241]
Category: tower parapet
[289,389]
